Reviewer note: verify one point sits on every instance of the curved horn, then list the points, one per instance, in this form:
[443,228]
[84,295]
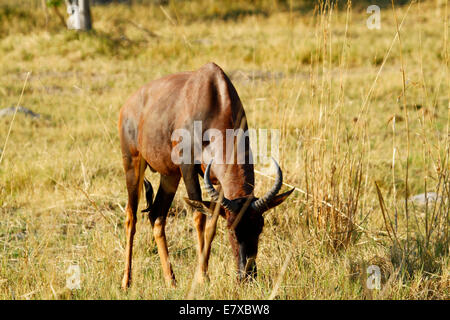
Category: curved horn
[261,204]
[227,204]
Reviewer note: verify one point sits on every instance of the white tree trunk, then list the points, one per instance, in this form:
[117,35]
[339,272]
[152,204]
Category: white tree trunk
[80,15]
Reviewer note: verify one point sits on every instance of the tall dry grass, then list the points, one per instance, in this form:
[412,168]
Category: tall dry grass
[345,98]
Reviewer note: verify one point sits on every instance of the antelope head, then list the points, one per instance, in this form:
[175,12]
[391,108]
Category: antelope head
[244,217]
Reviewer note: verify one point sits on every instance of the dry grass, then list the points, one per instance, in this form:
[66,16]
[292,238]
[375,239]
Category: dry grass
[345,98]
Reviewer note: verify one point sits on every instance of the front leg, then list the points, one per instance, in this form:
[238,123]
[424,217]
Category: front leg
[209,234]
[158,213]
[190,177]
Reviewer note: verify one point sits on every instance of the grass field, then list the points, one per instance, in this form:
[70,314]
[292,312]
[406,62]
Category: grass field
[357,108]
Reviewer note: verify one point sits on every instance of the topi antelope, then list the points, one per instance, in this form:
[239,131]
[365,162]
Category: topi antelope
[146,124]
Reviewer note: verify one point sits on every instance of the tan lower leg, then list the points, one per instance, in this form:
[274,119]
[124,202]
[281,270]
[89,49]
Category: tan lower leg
[160,238]
[130,224]
[199,221]
[210,232]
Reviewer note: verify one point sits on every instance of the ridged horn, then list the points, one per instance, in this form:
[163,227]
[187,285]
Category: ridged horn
[261,204]
[227,204]
[148,195]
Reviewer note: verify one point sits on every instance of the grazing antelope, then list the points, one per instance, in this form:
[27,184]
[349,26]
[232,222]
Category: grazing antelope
[146,124]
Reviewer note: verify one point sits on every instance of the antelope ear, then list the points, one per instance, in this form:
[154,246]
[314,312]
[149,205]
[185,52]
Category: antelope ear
[278,199]
[205,207]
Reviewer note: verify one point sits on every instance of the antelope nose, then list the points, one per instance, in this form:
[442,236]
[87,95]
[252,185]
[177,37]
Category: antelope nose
[250,265]
[248,269]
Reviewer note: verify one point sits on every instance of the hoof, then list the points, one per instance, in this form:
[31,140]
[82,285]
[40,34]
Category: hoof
[202,277]
[171,282]
[125,284]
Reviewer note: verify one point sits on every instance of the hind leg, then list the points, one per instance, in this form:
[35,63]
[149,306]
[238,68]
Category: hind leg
[167,188]
[134,172]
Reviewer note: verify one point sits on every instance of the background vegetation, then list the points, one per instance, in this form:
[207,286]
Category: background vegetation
[364,116]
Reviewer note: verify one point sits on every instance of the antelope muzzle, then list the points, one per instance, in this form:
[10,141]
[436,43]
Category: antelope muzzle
[247,263]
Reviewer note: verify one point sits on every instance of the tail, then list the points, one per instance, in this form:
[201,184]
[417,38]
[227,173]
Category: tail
[148,195]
